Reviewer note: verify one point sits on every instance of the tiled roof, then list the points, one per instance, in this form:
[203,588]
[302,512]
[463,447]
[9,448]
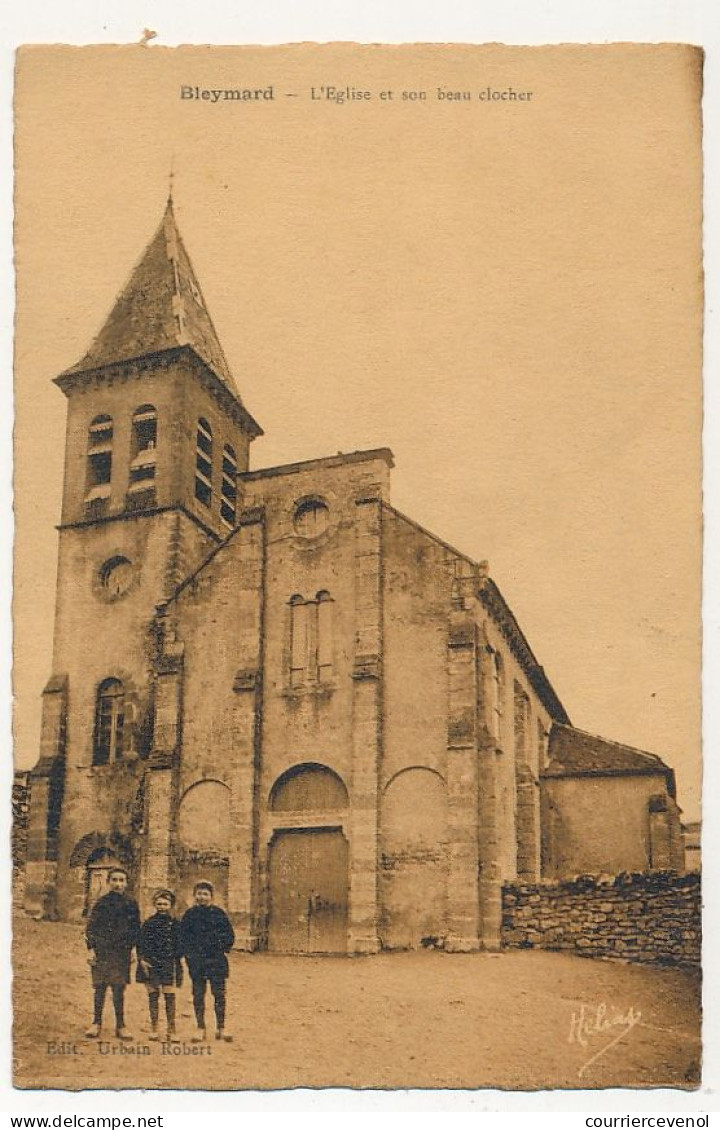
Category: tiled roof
[573,752]
[161,307]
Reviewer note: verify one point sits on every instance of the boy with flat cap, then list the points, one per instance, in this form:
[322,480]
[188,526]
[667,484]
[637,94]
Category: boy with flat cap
[159,966]
[206,937]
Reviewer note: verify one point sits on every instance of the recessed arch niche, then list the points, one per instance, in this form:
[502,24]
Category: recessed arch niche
[414,868]
[203,840]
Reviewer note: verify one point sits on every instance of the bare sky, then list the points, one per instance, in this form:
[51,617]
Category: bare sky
[507,294]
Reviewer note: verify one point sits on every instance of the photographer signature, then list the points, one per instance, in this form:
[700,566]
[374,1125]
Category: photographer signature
[600,1020]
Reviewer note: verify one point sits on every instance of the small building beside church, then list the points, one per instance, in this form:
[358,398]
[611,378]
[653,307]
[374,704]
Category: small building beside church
[692,837]
[274,679]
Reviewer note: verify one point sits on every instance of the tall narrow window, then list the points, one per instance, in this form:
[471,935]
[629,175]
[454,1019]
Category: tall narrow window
[109,721]
[497,690]
[526,793]
[311,639]
[228,487]
[143,451]
[541,745]
[522,724]
[99,459]
[324,635]
[203,463]
[298,640]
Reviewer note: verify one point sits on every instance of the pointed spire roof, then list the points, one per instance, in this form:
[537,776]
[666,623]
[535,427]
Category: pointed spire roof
[161,307]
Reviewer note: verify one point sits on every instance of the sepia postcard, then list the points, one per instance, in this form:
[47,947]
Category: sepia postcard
[357,574]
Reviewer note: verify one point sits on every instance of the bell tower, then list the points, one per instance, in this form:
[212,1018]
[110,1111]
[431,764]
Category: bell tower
[155,420]
[157,437]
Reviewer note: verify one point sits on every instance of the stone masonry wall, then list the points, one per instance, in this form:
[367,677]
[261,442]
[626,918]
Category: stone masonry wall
[20,807]
[649,917]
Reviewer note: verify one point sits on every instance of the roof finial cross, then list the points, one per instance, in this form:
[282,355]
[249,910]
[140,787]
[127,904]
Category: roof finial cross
[171,179]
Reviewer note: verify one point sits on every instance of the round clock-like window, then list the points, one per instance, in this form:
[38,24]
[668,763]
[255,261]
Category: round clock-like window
[116,576]
[312,517]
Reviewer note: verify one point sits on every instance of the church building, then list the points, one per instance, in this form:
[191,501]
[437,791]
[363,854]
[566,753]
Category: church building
[273,679]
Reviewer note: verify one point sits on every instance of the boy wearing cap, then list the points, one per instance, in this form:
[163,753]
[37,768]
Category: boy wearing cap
[206,937]
[111,933]
[159,965]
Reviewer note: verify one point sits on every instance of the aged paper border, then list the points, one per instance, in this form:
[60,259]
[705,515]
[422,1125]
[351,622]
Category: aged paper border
[557,22]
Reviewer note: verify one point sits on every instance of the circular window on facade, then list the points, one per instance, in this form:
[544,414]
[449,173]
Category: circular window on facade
[116,576]
[312,517]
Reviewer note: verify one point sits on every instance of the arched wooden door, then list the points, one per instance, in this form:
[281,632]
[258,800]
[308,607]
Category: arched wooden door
[308,891]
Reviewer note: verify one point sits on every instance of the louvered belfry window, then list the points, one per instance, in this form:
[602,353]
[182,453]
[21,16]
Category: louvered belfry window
[144,447]
[228,487]
[203,463]
[99,458]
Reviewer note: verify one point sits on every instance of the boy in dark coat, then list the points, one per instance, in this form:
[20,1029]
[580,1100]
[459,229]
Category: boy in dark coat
[159,965]
[111,933]
[206,936]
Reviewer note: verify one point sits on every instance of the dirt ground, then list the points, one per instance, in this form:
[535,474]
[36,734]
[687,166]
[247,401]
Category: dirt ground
[396,1020]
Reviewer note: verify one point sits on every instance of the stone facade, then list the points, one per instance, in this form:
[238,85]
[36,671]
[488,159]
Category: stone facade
[19,833]
[649,917]
[272,678]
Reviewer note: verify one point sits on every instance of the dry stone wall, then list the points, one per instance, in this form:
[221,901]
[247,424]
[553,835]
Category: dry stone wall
[649,917]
